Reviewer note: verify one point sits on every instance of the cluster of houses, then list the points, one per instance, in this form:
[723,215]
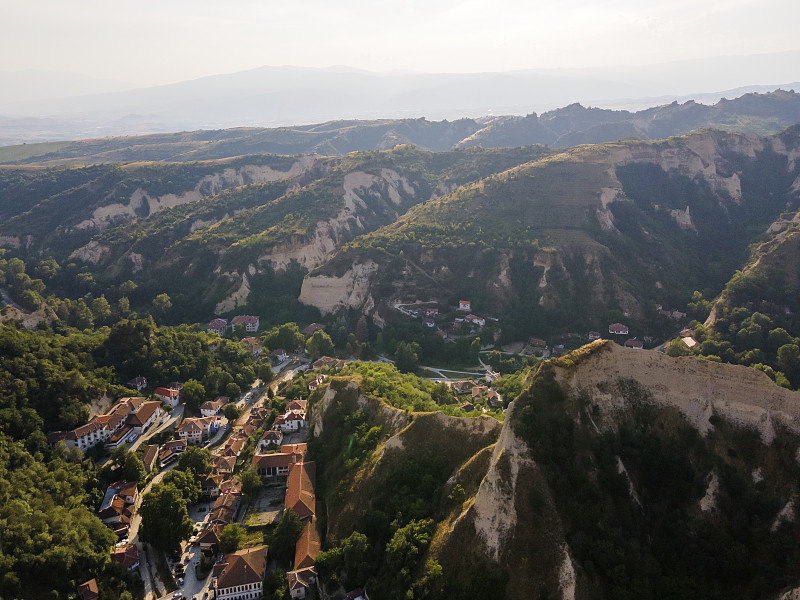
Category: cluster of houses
[291,463]
[220,485]
[477,393]
[429,315]
[220,326]
[238,575]
[672,314]
[123,423]
[118,506]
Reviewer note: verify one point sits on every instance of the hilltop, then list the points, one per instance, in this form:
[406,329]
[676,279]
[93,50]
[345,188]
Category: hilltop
[605,478]
[577,237]
[756,113]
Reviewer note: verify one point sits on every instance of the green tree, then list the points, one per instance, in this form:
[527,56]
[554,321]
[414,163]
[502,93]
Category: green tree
[406,357]
[133,468]
[276,585]
[408,545]
[286,535]
[101,309]
[162,303]
[197,460]
[287,336]
[355,550]
[789,360]
[127,288]
[233,391]
[124,306]
[47,269]
[193,394]
[251,480]
[441,394]
[165,520]
[83,318]
[231,538]
[264,372]
[231,411]
[186,482]
[319,344]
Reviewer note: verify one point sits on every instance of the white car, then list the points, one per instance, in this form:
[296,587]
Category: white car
[178,594]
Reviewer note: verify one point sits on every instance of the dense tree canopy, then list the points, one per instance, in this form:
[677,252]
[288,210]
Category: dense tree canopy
[165,520]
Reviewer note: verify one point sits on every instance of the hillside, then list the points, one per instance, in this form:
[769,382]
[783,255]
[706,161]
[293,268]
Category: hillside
[546,242]
[607,480]
[755,113]
[577,238]
[209,232]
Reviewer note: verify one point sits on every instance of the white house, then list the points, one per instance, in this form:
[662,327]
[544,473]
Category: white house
[169,395]
[193,430]
[240,575]
[465,305]
[618,329]
[250,322]
[212,407]
[218,326]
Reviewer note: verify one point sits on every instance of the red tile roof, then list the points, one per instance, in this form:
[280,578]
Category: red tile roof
[141,416]
[166,392]
[88,590]
[300,489]
[244,319]
[241,568]
[128,556]
[308,546]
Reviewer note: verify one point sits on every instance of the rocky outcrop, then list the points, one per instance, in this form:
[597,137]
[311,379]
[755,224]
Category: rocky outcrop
[93,252]
[236,299]
[330,293]
[142,204]
[698,388]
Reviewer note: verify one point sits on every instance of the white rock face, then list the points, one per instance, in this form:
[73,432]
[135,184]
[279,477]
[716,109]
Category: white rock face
[207,186]
[683,218]
[329,293]
[92,252]
[327,235]
[493,513]
[10,241]
[697,388]
[237,298]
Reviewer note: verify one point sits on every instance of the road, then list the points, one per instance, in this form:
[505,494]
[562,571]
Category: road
[133,535]
[192,587]
[173,419]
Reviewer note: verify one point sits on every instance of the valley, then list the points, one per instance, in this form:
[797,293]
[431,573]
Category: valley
[553,356]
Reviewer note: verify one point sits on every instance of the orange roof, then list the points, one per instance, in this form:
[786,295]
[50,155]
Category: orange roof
[300,489]
[294,448]
[88,590]
[308,546]
[128,556]
[242,568]
[141,416]
[266,461]
[150,456]
[166,392]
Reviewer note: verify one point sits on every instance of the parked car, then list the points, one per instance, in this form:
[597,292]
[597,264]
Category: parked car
[178,594]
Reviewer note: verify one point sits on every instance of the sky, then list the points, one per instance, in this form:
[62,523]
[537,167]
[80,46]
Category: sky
[153,42]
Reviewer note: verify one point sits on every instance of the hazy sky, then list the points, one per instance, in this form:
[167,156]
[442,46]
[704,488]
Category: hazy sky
[161,41]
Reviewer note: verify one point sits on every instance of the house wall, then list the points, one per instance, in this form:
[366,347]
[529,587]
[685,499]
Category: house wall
[243,592]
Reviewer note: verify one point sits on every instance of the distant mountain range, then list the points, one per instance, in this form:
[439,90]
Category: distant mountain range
[572,125]
[277,96]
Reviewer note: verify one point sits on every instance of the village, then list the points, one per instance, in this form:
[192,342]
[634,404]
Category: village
[274,444]
[279,455]
[451,327]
